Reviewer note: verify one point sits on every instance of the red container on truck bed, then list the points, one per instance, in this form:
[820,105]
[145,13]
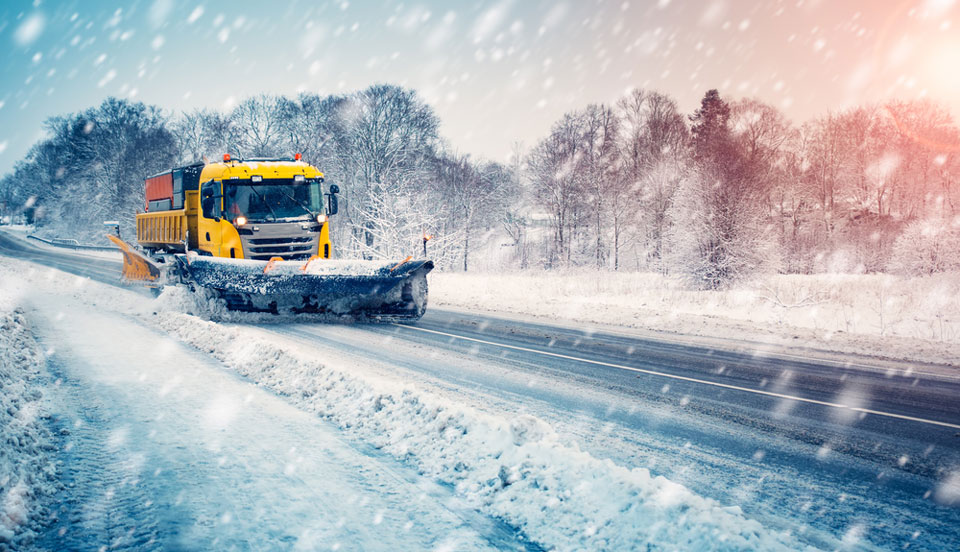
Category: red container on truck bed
[158,188]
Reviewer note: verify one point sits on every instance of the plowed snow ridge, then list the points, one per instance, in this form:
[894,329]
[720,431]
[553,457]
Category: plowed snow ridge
[514,468]
[27,472]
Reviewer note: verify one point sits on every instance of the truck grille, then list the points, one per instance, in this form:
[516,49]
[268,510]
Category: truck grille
[287,240]
[270,241]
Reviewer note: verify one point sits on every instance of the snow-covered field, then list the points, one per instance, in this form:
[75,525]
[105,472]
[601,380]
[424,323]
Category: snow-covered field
[27,468]
[511,467]
[915,319]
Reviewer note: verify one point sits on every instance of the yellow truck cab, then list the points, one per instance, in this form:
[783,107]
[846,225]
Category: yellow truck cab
[245,209]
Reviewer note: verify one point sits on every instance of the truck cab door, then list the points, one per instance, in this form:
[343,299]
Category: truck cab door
[208,223]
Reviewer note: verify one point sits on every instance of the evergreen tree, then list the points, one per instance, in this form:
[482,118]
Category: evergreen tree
[717,236]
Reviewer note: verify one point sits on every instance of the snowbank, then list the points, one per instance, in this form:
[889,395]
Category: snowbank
[27,470]
[516,468]
[915,319]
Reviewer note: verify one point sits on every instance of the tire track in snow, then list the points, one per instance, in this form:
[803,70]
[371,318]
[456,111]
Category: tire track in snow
[102,503]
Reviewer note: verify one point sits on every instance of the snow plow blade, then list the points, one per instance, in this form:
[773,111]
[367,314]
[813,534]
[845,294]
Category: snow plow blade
[358,289]
[137,269]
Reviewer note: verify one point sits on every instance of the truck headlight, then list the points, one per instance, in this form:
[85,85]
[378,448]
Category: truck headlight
[321,218]
[240,221]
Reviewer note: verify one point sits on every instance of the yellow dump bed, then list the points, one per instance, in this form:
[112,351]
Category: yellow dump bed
[169,229]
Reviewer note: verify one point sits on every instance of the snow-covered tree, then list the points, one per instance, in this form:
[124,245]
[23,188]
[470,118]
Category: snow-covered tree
[256,127]
[718,235]
[609,179]
[474,196]
[653,152]
[927,246]
[598,168]
[310,126]
[557,186]
[92,165]
[201,133]
[388,138]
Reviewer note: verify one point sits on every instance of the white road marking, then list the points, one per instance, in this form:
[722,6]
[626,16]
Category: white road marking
[689,379]
[728,346]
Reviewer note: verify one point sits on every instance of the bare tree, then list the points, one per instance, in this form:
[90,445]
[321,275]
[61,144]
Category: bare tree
[513,218]
[653,154]
[256,129]
[200,134]
[474,195]
[388,138]
[762,134]
[598,170]
[926,138]
[557,186]
[310,127]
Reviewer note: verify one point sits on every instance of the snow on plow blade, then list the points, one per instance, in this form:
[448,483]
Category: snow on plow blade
[365,289]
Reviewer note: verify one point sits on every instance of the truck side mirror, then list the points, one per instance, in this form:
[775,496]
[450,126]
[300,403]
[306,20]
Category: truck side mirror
[332,206]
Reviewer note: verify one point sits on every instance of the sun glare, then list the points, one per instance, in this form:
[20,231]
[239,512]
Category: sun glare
[941,68]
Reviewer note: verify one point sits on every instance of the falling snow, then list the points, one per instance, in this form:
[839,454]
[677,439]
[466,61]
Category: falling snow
[564,149]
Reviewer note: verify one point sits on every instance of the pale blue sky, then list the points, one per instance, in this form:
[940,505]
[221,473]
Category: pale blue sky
[495,71]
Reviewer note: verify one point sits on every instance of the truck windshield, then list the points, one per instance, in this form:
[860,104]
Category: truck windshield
[272,199]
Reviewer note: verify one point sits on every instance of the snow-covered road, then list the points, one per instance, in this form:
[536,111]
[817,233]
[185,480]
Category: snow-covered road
[164,448]
[245,466]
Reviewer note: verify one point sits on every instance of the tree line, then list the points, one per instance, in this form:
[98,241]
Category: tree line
[735,189]
[729,191]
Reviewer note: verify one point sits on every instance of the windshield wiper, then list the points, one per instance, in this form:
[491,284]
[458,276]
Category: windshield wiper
[264,200]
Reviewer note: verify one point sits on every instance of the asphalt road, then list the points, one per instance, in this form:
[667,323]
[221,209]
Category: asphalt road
[837,445]
[96,268]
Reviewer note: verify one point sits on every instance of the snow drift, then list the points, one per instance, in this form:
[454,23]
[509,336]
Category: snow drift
[516,469]
[27,473]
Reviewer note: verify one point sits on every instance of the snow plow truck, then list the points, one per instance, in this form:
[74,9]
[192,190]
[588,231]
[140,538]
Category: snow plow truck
[255,234]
